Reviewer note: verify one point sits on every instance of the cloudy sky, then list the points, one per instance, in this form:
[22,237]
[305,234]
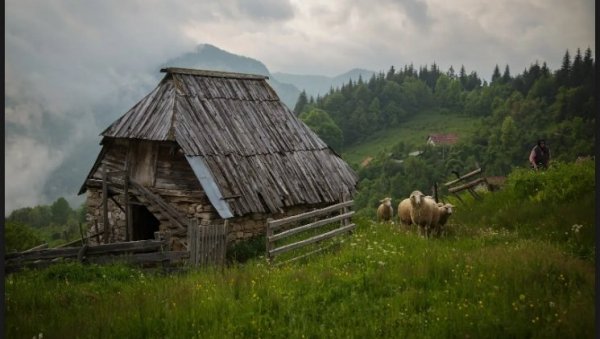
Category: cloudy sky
[63,58]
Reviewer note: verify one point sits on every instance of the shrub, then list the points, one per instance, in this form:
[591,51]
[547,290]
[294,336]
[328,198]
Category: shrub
[19,237]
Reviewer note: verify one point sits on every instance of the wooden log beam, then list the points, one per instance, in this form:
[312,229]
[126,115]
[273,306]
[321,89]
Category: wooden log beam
[38,247]
[67,252]
[275,224]
[321,237]
[468,175]
[466,186]
[315,224]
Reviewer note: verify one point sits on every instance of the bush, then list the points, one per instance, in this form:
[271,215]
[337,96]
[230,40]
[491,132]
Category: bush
[19,237]
[557,204]
[247,249]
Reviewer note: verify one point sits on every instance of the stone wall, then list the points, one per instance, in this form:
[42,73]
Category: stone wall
[199,208]
[95,219]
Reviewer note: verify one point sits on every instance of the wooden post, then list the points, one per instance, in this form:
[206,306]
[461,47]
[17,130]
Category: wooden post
[81,233]
[97,232]
[105,204]
[224,242]
[268,242]
[128,229]
[435,192]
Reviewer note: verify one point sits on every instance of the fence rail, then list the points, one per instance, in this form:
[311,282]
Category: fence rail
[143,252]
[343,218]
[454,187]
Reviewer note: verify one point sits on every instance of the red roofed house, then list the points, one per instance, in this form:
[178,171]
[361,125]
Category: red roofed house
[442,139]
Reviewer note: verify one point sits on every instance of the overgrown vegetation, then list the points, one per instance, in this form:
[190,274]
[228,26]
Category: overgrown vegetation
[511,265]
[54,224]
[516,110]
[557,205]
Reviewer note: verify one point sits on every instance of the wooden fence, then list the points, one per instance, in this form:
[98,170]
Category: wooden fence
[207,244]
[143,252]
[455,187]
[274,225]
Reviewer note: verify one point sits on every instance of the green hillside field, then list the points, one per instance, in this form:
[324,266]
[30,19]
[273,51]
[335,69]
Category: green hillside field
[518,264]
[415,131]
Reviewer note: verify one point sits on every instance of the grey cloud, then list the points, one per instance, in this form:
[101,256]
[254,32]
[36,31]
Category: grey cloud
[275,10]
[416,11]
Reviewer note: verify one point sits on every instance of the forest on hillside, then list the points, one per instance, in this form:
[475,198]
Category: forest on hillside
[515,111]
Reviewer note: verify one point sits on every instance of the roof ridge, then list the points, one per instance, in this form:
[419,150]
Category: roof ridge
[213,74]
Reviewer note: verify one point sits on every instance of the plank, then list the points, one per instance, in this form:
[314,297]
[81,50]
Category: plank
[113,248]
[470,174]
[275,224]
[321,237]
[306,227]
[467,185]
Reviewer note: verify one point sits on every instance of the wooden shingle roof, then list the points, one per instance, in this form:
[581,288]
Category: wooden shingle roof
[254,146]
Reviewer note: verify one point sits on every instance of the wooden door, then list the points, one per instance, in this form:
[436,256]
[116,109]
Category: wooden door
[143,156]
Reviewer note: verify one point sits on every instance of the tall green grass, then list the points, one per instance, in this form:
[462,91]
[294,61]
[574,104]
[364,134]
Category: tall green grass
[383,281]
[511,266]
[556,205]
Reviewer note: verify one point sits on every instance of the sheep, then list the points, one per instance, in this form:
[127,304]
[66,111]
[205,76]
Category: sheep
[385,210]
[440,217]
[404,208]
[444,212]
[424,211]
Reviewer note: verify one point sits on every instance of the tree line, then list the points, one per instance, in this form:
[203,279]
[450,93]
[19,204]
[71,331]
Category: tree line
[55,223]
[515,111]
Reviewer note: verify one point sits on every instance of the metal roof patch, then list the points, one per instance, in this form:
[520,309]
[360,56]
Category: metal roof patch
[209,185]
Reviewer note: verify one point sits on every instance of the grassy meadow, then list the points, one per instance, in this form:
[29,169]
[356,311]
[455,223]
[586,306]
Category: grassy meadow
[519,264]
[414,131]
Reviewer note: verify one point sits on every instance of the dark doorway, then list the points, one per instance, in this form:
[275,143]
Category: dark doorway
[143,222]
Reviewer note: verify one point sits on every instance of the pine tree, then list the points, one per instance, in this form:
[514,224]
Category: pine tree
[451,74]
[506,76]
[496,75]
[462,75]
[390,74]
[301,103]
[577,69]
[562,75]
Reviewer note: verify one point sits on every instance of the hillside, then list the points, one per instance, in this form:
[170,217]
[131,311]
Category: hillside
[413,132]
[383,279]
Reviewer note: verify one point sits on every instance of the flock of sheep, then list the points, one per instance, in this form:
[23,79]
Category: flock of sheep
[418,209]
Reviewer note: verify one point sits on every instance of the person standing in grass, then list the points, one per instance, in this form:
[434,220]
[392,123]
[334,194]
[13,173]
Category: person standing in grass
[539,157]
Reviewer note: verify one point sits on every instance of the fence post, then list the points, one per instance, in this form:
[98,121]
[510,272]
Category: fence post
[128,226]
[224,243]
[105,204]
[192,244]
[268,242]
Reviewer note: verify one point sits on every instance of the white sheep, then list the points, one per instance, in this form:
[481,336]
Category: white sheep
[404,208]
[444,212]
[385,212]
[424,211]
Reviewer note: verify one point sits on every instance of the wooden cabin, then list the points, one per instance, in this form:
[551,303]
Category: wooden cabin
[204,147]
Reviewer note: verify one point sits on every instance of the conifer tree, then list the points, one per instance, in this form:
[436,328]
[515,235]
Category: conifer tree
[462,75]
[390,74]
[496,75]
[576,77]
[506,76]
[301,103]
[562,75]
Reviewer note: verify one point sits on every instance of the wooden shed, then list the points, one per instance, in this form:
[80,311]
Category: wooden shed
[206,147]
